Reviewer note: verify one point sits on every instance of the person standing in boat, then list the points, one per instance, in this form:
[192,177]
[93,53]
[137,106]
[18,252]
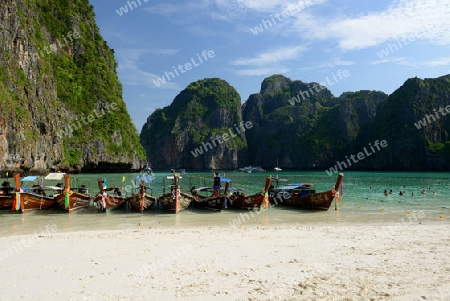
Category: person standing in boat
[216,185]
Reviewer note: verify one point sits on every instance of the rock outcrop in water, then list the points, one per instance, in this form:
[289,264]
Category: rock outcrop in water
[305,127]
[61,104]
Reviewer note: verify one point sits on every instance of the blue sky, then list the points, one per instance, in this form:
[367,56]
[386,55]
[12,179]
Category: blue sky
[379,43]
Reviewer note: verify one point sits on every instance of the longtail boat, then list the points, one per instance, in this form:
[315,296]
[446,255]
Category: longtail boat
[35,198]
[142,200]
[304,196]
[139,202]
[7,194]
[175,200]
[72,200]
[209,202]
[6,200]
[106,202]
[251,202]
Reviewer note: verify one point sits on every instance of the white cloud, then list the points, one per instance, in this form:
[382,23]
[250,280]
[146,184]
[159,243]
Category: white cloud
[422,19]
[267,62]
[168,10]
[444,61]
[261,71]
[227,10]
[130,73]
[201,31]
[268,6]
[336,61]
[273,56]
[438,62]
[395,60]
[339,62]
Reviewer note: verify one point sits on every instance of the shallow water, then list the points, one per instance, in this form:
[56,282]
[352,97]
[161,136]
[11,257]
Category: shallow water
[359,204]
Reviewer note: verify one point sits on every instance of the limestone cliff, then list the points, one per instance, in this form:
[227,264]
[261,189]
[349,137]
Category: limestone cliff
[199,130]
[415,120]
[318,130]
[303,125]
[61,104]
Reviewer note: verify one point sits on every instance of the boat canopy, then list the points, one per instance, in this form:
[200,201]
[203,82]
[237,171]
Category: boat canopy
[29,178]
[147,178]
[279,180]
[51,188]
[203,189]
[56,176]
[208,189]
[223,179]
[296,186]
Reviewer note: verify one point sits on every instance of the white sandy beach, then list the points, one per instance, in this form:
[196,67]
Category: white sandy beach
[279,262]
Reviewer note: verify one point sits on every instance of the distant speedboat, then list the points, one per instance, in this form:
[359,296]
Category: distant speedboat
[147,170]
[247,169]
[258,169]
[277,168]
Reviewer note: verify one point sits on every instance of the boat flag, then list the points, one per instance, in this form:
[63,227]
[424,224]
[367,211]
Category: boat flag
[266,200]
[123,179]
[14,202]
[17,202]
[66,200]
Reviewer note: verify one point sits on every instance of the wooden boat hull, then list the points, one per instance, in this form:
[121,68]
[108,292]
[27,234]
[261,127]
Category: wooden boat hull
[212,203]
[76,201]
[168,202]
[29,201]
[6,201]
[251,202]
[134,202]
[316,201]
[111,202]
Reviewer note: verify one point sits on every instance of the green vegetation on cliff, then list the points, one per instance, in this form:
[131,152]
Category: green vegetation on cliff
[72,68]
[197,102]
[86,77]
[203,110]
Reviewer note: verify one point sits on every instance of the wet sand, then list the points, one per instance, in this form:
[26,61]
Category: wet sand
[266,257]
[14,223]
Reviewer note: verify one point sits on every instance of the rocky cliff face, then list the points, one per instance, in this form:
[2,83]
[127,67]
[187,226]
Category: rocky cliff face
[201,129]
[416,123]
[303,125]
[60,99]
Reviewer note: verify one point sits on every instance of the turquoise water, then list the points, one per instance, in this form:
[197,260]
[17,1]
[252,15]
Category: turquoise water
[359,204]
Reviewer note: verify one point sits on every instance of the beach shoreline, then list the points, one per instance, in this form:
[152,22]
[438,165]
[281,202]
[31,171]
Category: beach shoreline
[252,262]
